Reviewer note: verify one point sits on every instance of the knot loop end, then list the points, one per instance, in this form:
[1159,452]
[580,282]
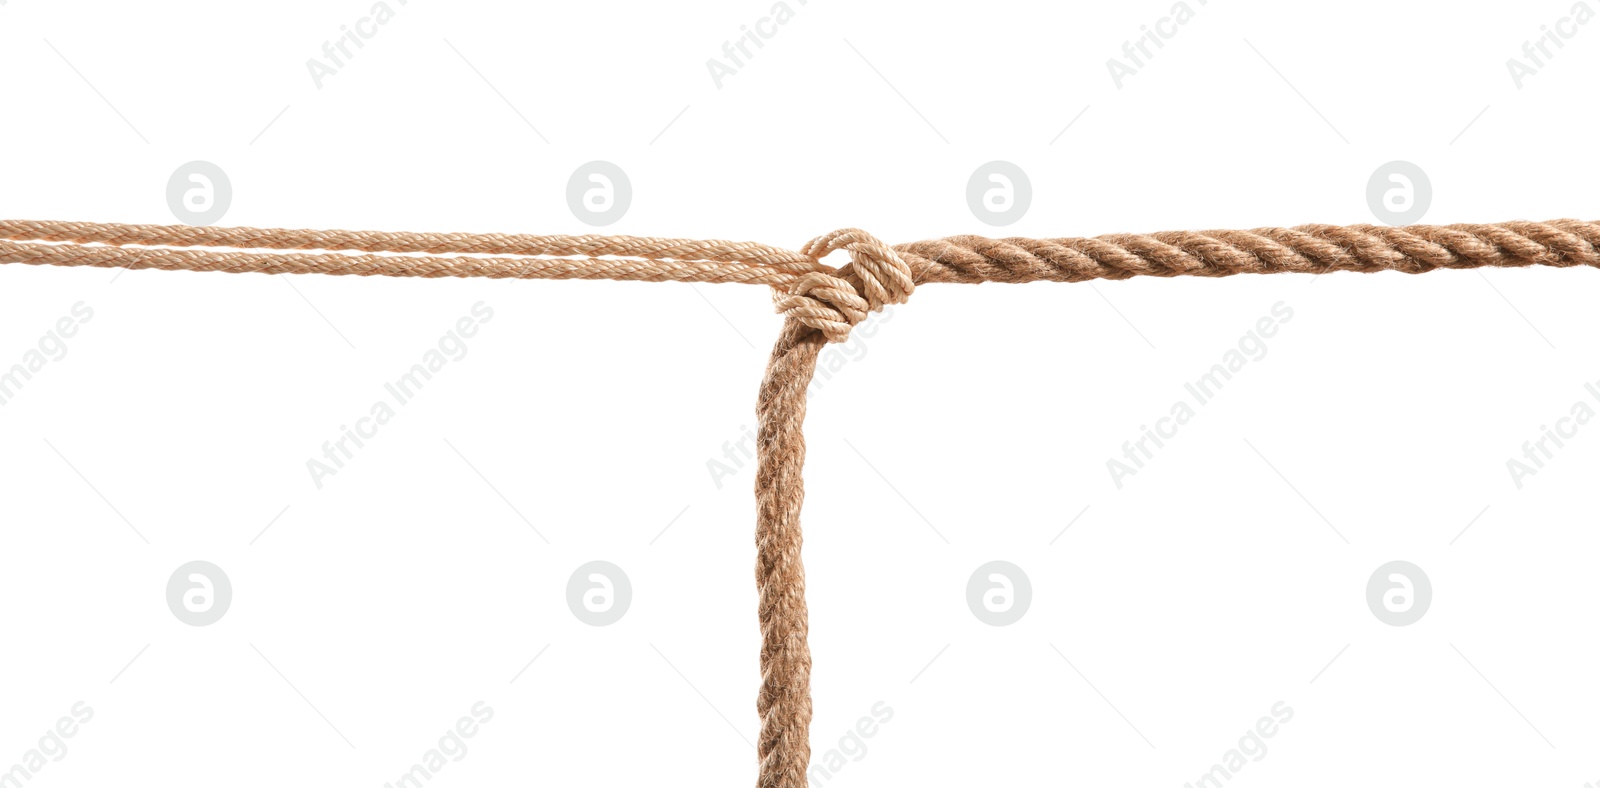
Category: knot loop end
[834,302]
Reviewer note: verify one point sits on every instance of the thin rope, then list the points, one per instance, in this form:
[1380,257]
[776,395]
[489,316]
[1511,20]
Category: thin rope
[821,304]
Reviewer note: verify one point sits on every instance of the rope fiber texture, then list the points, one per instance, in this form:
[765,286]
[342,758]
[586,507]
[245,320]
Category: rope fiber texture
[820,304]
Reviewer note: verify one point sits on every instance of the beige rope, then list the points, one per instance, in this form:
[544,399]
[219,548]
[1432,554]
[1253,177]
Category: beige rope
[821,304]
[1311,248]
[335,263]
[802,275]
[429,243]
[402,254]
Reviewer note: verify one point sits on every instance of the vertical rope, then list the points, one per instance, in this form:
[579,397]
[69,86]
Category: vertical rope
[819,308]
[784,701]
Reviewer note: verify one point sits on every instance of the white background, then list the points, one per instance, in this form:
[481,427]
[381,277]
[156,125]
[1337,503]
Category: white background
[1165,621]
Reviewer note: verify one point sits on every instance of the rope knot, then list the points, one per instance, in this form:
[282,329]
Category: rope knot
[834,301]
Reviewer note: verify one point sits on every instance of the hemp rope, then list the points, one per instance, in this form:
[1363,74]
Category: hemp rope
[821,304]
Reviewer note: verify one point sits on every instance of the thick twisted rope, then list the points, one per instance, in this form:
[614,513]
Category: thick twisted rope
[1311,248]
[821,304]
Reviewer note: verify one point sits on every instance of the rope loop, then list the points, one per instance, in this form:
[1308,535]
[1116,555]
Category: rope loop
[833,302]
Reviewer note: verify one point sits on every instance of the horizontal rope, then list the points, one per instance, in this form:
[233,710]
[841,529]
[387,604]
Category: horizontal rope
[408,242]
[401,254]
[1312,248]
[1307,249]
[340,264]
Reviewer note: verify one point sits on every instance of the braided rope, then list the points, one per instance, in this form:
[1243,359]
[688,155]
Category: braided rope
[821,304]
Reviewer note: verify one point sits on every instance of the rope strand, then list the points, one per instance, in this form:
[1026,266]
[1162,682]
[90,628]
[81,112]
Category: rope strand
[821,304]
